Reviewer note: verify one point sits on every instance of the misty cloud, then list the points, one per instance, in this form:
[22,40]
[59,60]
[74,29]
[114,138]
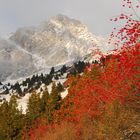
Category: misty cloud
[94,13]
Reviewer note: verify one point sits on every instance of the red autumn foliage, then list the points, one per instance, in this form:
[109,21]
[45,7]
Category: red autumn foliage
[89,94]
[117,78]
[129,34]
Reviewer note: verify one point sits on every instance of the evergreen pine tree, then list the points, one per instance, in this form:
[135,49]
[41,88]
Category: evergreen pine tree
[52,71]
[60,87]
[55,97]
[33,106]
[56,77]
[8,84]
[45,104]
[11,120]
[64,69]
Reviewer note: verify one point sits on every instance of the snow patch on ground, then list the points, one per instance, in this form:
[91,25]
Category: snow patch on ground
[22,103]
[64,93]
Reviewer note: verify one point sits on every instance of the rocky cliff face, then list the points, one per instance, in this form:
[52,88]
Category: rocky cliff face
[54,42]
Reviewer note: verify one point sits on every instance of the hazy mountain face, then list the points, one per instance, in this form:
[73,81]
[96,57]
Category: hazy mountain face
[14,63]
[59,40]
[31,49]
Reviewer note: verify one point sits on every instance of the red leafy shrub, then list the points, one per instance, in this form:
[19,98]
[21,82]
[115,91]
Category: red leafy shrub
[90,107]
[118,79]
[91,96]
[36,130]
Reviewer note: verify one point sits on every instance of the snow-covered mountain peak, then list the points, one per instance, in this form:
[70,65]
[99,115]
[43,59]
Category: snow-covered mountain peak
[54,42]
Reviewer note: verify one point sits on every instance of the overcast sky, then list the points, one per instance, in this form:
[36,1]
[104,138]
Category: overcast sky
[94,13]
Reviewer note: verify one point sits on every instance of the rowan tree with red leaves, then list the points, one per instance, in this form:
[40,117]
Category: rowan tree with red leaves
[129,34]
[113,83]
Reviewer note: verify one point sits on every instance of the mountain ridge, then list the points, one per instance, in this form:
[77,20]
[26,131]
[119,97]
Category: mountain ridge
[55,42]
